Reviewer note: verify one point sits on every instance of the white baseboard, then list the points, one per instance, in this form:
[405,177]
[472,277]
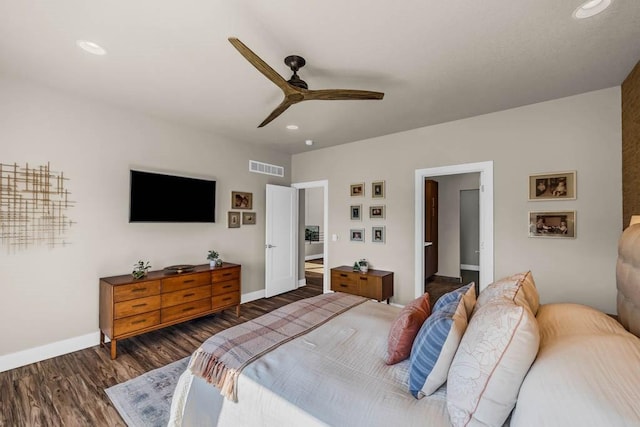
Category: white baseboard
[47,351]
[316,256]
[252,296]
[302,282]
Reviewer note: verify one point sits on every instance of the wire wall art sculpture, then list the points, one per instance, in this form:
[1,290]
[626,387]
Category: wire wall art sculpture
[33,206]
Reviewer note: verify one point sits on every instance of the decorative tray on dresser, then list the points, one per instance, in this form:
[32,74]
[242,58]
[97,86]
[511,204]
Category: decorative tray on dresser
[130,307]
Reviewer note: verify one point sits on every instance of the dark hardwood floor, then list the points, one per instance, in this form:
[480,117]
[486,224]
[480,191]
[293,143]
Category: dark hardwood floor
[69,390]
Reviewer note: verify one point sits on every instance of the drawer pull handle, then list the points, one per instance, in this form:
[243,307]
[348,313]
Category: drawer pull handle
[226,299]
[189,281]
[187,309]
[137,322]
[189,295]
[342,285]
[363,278]
[138,289]
[343,275]
[227,274]
[226,286]
[139,305]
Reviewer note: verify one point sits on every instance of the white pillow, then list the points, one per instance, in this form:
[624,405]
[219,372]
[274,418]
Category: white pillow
[492,360]
[519,288]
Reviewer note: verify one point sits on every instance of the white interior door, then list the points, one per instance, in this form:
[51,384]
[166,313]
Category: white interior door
[281,242]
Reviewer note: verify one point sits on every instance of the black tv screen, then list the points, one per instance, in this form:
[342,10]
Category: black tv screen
[157,197]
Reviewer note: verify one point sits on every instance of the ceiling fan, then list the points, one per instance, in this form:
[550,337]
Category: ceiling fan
[295,89]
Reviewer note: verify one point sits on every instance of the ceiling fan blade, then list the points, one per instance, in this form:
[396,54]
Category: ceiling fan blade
[341,94]
[257,62]
[275,113]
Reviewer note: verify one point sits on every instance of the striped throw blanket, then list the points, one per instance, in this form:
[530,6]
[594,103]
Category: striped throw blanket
[221,358]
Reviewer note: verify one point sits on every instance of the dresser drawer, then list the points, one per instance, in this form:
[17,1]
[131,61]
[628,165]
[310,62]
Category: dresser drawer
[185,295]
[370,287]
[345,286]
[185,310]
[344,277]
[135,323]
[225,300]
[225,274]
[136,290]
[136,306]
[185,281]
[226,287]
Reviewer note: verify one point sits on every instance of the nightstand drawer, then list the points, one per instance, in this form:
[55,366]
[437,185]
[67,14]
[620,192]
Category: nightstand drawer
[136,290]
[185,295]
[226,287]
[346,278]
[136,306]
[225,274]
[185,281]
[224,300]
[344,286]
[185,310]
[135,323]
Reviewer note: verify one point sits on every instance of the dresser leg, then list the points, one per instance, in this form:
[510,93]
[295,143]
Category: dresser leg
[238,310]
[113,349]
[101,339]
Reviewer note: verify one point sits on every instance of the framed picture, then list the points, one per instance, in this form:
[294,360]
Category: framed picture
[312,233]
[553,186]
[233,219]
[377,189]
[357,190]
[558,224]
[241,200]
[378,234]
[376,212]
[248,218]
[356,212]
[356,235]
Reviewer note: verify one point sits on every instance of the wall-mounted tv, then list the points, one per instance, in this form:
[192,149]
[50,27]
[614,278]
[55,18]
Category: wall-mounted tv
[156,197]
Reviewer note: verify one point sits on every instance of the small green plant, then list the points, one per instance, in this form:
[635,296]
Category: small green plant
[140,269]
[213,255]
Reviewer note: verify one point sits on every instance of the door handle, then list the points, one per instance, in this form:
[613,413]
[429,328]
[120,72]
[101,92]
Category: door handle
[269,246]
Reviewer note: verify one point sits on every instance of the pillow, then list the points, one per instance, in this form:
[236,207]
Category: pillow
[436,344]
[492,360]
[469,295]
[519,288]
[405,328]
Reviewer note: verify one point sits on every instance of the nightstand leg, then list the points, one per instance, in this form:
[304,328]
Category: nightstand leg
[238,310]
[101,339]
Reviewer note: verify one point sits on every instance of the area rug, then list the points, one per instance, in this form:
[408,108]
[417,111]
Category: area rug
[146,400]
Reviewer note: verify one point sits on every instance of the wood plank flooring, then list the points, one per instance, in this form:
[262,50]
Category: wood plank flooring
[69,390]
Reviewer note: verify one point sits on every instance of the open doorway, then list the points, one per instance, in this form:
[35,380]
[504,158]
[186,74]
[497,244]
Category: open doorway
[486,262]
[313,255]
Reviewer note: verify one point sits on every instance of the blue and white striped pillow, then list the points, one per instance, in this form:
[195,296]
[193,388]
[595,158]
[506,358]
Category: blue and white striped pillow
[436,343]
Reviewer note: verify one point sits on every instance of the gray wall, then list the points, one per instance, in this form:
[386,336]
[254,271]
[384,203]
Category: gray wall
[579,133]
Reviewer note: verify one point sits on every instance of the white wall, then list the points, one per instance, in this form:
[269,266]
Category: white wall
[580,133]
[49,295]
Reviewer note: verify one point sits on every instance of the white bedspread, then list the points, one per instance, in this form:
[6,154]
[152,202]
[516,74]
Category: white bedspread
[335,375]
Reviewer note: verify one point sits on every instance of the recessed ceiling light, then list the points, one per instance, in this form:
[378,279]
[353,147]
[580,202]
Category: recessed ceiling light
[590,8]
[91,47]
[292,127]
[308,142]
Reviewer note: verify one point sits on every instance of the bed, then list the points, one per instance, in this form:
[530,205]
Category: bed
[506,360]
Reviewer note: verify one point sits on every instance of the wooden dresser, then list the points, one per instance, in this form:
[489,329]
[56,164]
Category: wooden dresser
[131,307]
[375,284]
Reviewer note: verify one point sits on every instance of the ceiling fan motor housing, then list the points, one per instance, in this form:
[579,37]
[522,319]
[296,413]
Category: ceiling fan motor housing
[296,62]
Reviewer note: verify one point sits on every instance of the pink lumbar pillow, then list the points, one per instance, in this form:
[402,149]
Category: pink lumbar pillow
[405,328]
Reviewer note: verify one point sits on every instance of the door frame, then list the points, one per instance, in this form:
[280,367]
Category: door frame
[324,184]
[486,218]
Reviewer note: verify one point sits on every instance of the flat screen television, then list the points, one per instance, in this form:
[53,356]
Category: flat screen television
[156,197]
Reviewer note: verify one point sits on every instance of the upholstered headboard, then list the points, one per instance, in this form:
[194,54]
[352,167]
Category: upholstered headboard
[628,279]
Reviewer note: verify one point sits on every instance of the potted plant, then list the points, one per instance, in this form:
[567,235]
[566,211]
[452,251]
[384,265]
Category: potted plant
[140,269]
[363,265]
[214,259]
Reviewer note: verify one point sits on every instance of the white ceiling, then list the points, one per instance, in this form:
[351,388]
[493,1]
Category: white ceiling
[435,61]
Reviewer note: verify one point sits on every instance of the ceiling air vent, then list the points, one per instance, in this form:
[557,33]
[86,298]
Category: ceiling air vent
[265,168]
